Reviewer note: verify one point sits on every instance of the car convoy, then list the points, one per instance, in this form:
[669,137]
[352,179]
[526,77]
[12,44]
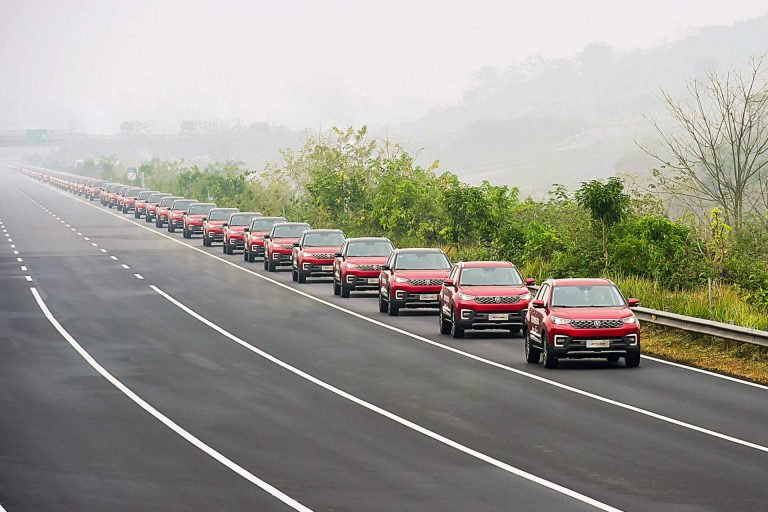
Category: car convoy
[563,319]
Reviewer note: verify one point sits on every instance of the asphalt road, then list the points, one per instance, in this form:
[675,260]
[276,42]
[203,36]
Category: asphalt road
[205,383]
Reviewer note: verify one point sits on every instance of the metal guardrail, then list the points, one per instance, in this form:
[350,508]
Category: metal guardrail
[698,325]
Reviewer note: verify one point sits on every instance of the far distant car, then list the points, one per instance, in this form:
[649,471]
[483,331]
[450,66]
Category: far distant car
[213,225]
[163,210]
[176,213]
[254,236]
[150,213]
[278,245]
[140,205]
[581,318]
[194,218]
[314,252]
[234,230]
[128,201]
[358,264]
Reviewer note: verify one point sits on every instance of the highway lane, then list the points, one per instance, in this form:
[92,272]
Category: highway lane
[474,404]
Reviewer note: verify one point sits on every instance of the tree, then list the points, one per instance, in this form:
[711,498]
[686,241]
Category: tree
[716,151]
[607,204]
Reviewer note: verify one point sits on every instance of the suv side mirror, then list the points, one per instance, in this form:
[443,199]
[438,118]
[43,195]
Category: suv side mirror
[296,244]
[224,225]
[184,214]
[530,281]
[633,303]
[246,230]
[338,255]
[386,267]
[538,304]
[204,219]
[266,237]
[448,283]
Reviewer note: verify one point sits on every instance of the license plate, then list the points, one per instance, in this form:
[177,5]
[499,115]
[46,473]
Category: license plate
[498,316]
[428,297]
[598,343]
[373,280]
[327,268]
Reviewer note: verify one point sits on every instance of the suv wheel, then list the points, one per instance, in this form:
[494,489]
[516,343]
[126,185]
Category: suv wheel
[251,256]
[206,240]
[443,323]
[302,277]
[336,287]
[550,359]
[171,227]
[392,307]
[271,266]
[294,274]
[344,291]
[532,354]
[632,360]
[266,261]
[457,331]
[224,247]
[382,303]
[136,215]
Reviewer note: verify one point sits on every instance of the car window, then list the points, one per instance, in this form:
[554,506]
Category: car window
[491,276]
[596,296]
[200,209]
[264,224]
[453,274]
[167,201]
[242,219]
[422,261]
[323,239]
[183,204]
[220,214]
[369,248]
[292,231]
[543,293]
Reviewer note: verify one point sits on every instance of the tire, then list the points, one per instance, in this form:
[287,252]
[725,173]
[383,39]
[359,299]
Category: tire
[550,359]
[271,267]
[224,247]
[206,240]
[251,257]
[443,323]
[245,254]
[514,331]
[266,261]
[158,224]
[392,308]
[383,306]
[632,360]
[171,227]
[136,215]
[185,234]
[228,249]
[532,354]
[613,358]
[302,277]
[457,331]
[344,291]
[147,219]
[294,275]
[336,287]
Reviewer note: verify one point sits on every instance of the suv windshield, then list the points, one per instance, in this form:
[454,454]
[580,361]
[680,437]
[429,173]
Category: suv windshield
[490,276]
[588,296]
[242,219]
[292,231]
[132,192]
[422,261]
[182,204]
[264,224]
[324,239]
[168,201]
[369,248]
[155,198]
[144,195]
[201,209]
[221,214]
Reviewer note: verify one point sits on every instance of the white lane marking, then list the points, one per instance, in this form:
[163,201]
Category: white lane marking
[79,233]
[139,276]
[94,244]
[72,229]
[23,268]
[165,420]
[103,250]
[13,246]
[15,252]
[707,372]
[86,238]
[126,267]
[10,240]
[387,414]
[68,225]
[19,260]
[114,257]
[29,278]
[448,348]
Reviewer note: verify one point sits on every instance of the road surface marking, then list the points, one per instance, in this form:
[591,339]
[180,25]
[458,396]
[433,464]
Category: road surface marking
[29,278]
[103,250]
[165,420]
[23,268]
[139,276]
[19,260]
[114,257]
[126,267]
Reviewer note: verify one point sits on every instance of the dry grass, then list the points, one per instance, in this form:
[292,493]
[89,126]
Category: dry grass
[729,357]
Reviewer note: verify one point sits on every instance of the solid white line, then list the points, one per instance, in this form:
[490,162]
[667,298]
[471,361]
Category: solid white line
[29,278]
[23,268]
[455,350]
[114,257]
[138,276]
[165,420]
[126,267]
[707,372]
[392,416]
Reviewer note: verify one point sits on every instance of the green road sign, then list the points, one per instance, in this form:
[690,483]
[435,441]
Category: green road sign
[37,136]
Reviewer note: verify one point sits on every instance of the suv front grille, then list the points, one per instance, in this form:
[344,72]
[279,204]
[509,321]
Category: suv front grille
[322,255]
[285,246]
[369,267]
[507,299]
[596,324]
[425,282]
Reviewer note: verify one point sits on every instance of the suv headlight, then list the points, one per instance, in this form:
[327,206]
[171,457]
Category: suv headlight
[560,321]
[351,265]
[527,296]
[399,279]
[629,319]
[465,296]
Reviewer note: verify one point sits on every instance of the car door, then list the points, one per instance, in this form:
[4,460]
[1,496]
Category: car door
[337,262]
[447,293]
[385,275]
[536,315]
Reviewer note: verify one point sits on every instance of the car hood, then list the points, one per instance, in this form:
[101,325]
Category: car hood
[494,291]
[216,222]
[423,274]
[367,260]
[285,240]
[237,229]
[610,313]
[321,249]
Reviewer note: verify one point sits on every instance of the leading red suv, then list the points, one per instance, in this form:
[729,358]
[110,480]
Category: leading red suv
[581,318]
[278,244]
[483,295]
[314,252]
[412,278]
[358,264]
[254,236]
[213,225]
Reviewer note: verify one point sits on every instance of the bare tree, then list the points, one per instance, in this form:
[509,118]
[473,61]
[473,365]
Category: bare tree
[716,151]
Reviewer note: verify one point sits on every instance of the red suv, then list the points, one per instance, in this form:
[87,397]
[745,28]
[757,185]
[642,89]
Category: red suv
[254,236]
[163,210]
[128,201]
[483,295]
[314,252]
[412,278]
[358,264]
[278,244]
[140,206]
[579,318]
[177,212]
[154,200]
[213,225]
[194,217]
[234,230]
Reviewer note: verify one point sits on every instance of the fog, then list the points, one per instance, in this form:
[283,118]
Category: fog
[461,81]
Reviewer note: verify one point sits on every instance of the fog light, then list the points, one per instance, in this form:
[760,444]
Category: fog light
[466,313]
[350,279]
[400,294]
[560,340]
[306,266]
[275,256]
[632,339]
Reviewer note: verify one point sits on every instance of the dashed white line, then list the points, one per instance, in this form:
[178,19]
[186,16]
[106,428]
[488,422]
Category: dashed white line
[79,234]
[72,229]
[86,238]
[19,260]
[94,244]
[138,276]
[165,420]
[114,257]
[15,252]
[13,246]
[68,225]
[126,267]
[103,250]
[23,268]
[29,278]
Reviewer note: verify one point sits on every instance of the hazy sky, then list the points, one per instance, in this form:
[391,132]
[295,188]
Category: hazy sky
[304,63]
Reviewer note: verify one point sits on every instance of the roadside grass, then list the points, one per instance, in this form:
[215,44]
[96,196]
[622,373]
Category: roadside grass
[728,357]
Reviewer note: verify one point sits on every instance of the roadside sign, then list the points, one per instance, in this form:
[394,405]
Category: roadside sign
[131,174]
[37,136]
